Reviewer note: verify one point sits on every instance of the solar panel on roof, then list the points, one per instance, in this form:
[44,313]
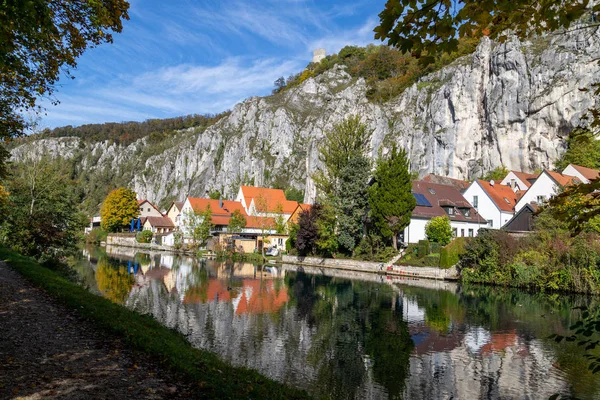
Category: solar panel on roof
[421,200]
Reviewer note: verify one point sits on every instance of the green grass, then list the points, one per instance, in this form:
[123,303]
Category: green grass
[215,378]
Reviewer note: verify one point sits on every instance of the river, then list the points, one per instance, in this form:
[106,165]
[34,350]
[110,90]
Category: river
[355,336]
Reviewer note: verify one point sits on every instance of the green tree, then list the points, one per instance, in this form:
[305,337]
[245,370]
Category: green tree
[43,220]
[237,222]
[390,196]
[294,194]
[428,29]
[438,230]
[497,174]
[42,39]
[215,195]
[118,209]
[347,139]
[202,231]
[351,202]
[583,148]
[280,221]
[327,241]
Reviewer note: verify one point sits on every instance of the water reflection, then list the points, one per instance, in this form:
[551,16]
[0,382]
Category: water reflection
[342,335]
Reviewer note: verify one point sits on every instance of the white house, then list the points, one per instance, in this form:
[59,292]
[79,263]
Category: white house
[174,212]
[545,186]
[585,175]
[519,181]
[434,200]
[265,202]
[148,209]
[494,202]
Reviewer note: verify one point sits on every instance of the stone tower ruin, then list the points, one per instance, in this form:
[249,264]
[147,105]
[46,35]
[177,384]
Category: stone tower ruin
[318,55]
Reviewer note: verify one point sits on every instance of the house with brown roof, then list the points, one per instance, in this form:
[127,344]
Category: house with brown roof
[148,209]
[519,181]
[548,184]
[494,202]
[435,200]
[158,224]
[584,174]
[459,184]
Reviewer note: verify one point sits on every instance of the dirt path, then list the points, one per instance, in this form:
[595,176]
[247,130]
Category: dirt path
[46,351]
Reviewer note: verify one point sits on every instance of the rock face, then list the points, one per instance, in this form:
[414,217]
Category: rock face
[512,103]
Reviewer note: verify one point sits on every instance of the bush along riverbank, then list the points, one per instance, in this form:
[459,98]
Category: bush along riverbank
[548,259]
[215,378]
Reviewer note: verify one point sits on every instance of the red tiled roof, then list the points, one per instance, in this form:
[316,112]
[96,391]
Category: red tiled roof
[562,180]
[442,194]
[161,222]
[502,195]
[588,173]
[444,180]
[524,177]
[272,197]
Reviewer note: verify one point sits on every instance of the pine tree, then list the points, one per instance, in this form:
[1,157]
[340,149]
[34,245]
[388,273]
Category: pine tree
[390,197]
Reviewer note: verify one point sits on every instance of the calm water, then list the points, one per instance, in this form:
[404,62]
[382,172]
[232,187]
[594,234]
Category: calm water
[355,335]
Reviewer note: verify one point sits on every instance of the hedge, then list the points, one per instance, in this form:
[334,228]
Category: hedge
[423,248]
[450,254]
[432,260]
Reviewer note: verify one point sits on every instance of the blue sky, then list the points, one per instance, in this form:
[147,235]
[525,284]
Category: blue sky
[182,56]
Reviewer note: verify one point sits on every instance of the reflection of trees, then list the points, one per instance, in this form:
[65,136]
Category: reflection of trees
[113,281]
[357,330]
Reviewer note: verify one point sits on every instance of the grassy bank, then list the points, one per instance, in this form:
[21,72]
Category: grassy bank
[215,378]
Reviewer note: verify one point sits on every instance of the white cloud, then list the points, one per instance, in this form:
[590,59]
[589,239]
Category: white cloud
[357,37]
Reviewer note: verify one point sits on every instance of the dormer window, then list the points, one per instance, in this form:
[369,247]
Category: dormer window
[466,212]
[450,210]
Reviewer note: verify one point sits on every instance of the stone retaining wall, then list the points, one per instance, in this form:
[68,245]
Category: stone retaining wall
[374,267]
[130,241]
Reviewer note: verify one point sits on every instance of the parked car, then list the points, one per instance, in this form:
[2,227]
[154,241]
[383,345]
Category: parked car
[272,251]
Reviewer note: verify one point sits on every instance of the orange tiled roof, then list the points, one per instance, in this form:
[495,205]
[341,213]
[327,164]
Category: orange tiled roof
[562,180]
[272,197]
[260,222]
[588,173]
[502,195]
[524,177]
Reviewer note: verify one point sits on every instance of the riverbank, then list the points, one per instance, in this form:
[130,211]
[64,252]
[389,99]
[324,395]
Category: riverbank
[374,267]
[139,336]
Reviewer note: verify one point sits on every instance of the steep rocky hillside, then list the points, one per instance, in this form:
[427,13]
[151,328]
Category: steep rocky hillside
[511,104]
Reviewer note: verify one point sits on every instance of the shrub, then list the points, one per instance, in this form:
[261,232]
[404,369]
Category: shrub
[438,230]
[432,260]
[451,253]
[178,240]
[435,247]
[423,248]
[144,236]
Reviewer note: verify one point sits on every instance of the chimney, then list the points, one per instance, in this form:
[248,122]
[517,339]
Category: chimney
[220,202]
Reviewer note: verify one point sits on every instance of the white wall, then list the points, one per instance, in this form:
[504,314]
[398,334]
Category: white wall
[486,207]
[543,186]
[416,229]
[241,199]
[146,210]
[570,171]
[520,185]
[505,217]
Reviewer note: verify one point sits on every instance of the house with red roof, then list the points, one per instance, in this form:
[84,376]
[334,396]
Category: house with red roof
[519,181]
[584,174]
[548,184]
[494,202]
[435,200]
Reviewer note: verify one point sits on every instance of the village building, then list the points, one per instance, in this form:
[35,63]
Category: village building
[148,209]
[295,217]
[494,202]
[547,184]
[159,225]
[519,181]
[585,175]
[522,221]
[265,202]
[174,212]
[434,200]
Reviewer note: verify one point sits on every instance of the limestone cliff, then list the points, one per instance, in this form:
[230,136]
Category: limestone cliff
[512,103]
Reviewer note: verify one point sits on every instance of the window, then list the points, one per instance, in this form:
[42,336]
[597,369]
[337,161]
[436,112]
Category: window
[431,190]
[462,232]
[148,209]
[450,210]
[541,199]
[466,212]
[470,232]
[491,223]
[453,232]
[506,200]
[475,201]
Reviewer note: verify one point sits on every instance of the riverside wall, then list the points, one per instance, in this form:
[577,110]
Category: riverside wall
[374,267]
